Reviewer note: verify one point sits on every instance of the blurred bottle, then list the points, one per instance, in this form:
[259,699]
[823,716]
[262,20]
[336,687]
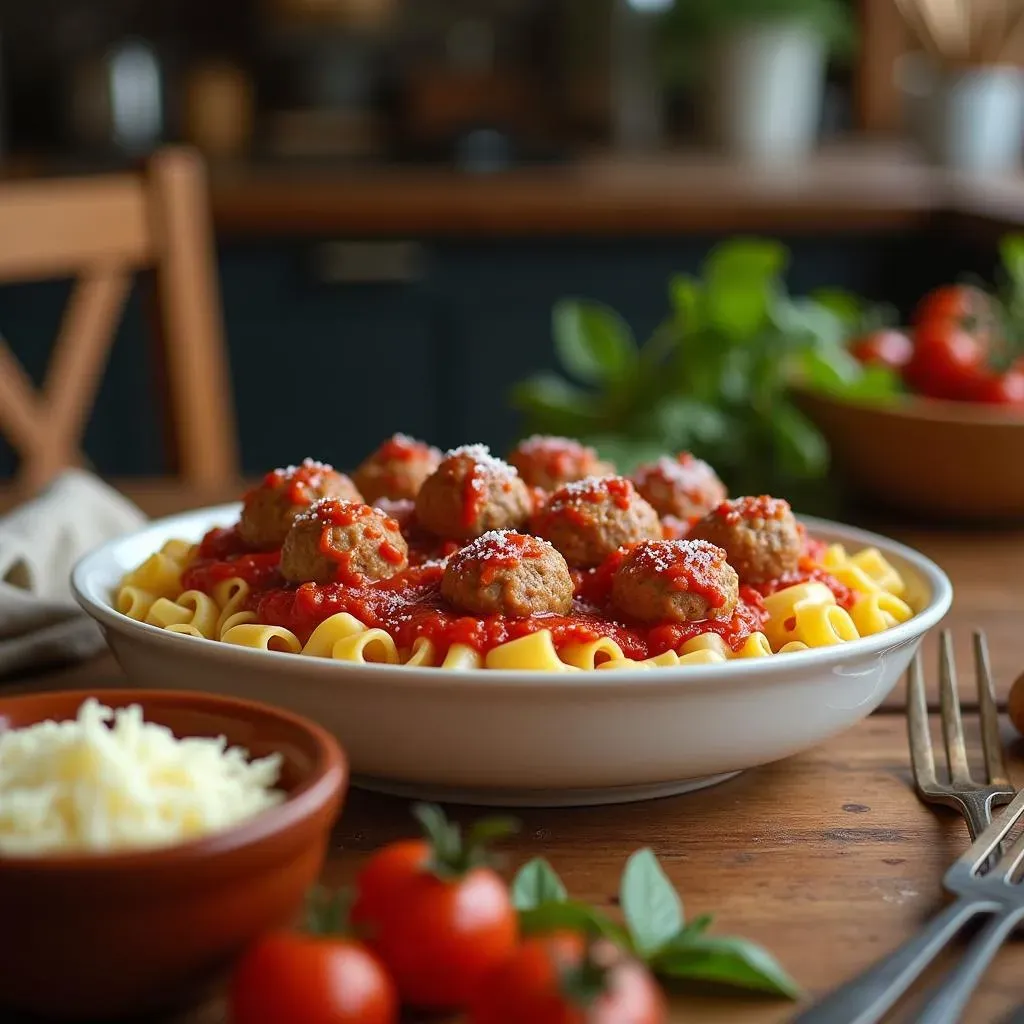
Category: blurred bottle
[218,109]
[117,99]
[637,97]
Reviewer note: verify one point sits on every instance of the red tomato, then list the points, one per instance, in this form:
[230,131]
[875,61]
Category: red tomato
[947,361]
[534,986]
[437,936]
[884,348]
[1004,388]
[967,307]
[310,979]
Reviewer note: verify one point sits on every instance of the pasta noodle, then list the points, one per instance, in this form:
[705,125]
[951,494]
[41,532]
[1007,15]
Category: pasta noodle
[798,617]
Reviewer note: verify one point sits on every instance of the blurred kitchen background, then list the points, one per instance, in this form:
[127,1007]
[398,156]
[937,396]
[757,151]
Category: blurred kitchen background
[402,189]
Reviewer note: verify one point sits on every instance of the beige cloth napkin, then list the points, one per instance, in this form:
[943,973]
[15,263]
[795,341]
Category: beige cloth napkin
[40,623]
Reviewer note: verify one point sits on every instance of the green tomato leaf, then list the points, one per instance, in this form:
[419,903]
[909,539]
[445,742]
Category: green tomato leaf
[571,916]
[800,448]
[536,884]
[725,961]
[653,910]
[593,343]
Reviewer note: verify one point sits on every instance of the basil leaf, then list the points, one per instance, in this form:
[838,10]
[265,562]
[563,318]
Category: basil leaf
[742,278]
[653,910]
[725,961]
[848,307]
[685,295]
[1011,252]
[799,446]
[680,421]
[536,883]
[697,926]
[593,342]
[555,406]
[572,916]
[626,452]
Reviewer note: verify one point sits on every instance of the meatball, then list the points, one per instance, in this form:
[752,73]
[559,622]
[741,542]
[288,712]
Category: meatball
[760,536]
[470,493]
[552,462]
[396,469]
[589,519]
[675,581]
[506,573]
[684,487]
[343,542]
[270,509]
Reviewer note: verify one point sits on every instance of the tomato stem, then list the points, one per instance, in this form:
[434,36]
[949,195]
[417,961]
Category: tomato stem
[327,912]
[451,856]
[584,982]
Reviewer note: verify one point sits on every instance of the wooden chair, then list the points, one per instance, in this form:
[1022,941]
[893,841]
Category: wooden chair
[101,231]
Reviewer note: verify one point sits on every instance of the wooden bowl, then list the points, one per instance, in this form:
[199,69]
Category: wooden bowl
[104,936]
[952,460]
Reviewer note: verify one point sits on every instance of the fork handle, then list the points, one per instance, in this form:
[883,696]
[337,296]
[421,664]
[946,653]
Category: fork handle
[949,998]
[866,998]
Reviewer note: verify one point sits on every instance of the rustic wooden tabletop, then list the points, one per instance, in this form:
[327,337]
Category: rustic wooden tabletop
[827,858]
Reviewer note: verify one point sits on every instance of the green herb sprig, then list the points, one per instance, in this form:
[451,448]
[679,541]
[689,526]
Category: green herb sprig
[655,931]
[714,378]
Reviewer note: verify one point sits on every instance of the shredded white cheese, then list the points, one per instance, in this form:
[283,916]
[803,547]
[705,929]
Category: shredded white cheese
[108,780]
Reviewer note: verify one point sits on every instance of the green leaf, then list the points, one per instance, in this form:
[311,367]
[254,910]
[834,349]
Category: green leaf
[572,916]
[849,308]
[828,370]
[681,421]
[809,322]
[1011,252]
[697,926]
[536,883]
[799,446]
[685,294]
[626,452]
[593,342]
[743,278]
[653,910]
[555,406]
[725,961]
[489,830]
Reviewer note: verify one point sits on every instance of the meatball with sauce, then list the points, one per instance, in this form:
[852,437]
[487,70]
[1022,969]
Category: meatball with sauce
[675,581]
[397,469]
[589,519]
[343,542]
[470,493]
[551,462]
[683,487]
[270,509]
[507,573]
[760,536]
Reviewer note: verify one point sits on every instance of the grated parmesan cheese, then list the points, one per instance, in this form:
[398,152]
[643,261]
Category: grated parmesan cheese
[107,780]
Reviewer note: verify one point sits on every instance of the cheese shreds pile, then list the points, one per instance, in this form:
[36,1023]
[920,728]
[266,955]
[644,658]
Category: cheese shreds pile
[107,780]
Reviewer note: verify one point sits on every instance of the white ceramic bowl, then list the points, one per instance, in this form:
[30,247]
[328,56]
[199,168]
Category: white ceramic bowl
[533,738]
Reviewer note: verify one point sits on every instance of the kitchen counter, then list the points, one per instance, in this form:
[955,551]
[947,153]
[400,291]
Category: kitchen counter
[854,187]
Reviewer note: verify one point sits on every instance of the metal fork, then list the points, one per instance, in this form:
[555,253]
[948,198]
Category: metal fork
[868,997]
[973,799]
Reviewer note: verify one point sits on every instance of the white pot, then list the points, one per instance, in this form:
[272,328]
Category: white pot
[766,86]
[977,120]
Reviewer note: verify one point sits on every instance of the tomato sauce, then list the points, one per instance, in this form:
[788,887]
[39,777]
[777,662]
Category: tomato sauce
[410,605]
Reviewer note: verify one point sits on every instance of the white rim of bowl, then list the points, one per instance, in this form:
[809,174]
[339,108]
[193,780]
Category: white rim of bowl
[941,596]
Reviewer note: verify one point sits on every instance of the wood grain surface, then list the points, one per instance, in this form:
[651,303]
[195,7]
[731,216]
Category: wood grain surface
[826,858]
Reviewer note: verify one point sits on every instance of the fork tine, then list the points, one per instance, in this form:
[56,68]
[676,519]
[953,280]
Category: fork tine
[995,762]
[949,705]
[922,758]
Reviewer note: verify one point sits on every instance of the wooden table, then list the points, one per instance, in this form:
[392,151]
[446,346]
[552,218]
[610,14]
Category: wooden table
[827,858]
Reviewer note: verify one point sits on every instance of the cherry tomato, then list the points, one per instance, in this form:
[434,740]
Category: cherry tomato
[1004,388]
[963,305]
[947,361]
[548,980]
[437,935]
[884,348]
[311,979]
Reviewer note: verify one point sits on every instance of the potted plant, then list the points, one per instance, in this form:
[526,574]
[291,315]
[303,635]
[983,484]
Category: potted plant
[762,64]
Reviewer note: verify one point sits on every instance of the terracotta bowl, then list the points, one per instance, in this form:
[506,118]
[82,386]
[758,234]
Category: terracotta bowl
[112,935]
[952,460]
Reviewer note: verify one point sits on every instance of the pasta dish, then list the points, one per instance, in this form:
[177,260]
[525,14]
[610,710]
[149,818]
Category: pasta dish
[548,561]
